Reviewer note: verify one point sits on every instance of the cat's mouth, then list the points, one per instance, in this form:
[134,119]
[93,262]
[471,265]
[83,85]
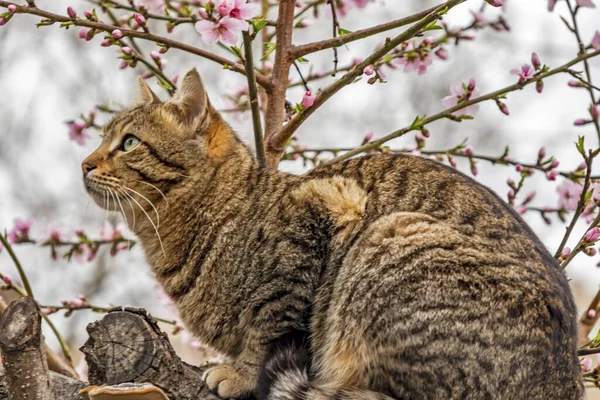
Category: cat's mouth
[102,195]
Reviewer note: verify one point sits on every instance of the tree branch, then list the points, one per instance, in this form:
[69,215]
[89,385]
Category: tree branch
[253,98]
[260,78]
[283,60]
[276,143]
[448,113]
[301,51]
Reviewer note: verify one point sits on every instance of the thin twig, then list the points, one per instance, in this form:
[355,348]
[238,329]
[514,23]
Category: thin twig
[22,273]
[253,98]
[336,27]
[301,76]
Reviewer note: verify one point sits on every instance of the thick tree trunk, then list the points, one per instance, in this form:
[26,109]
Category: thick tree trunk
[23,356]
[128,346]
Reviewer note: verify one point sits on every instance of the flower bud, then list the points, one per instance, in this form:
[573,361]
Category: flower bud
[12,8]
[106,43]
[592,235]
[468,151]
[551,175]
[368,70]
[591,313]
[117,34]
[7,279]
[539,86]
[542,152]
[565,252]
[535,61]
[71,12]
[442,53]
[88,15]
[140,19]
[581,122]
[576,84]
[127,50]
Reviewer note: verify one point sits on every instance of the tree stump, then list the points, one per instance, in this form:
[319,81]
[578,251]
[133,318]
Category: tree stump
[26,371]
[128,346]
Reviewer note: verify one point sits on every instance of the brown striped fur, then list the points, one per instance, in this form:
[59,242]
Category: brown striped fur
[404,278]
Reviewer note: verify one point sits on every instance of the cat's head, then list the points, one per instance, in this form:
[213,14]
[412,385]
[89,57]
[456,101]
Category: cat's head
[153,147]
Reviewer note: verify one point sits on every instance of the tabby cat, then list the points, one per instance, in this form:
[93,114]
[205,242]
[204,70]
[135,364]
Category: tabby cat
[384,276]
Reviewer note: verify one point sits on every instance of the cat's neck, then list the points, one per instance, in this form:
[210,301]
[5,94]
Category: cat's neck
[199,200]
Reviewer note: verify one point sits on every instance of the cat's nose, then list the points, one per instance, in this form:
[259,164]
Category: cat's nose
[90,163]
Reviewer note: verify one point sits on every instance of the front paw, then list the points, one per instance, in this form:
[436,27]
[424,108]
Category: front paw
[229,382]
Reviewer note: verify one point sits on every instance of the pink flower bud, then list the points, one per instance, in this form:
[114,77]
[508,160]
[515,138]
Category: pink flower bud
[535,61]
[175,78]
[88,15]
[511,194]
[594,111]
[581,122]
[590,251]
[155,56]
[202,12]
[442,53]
[586,364]
[519,167]
[7,279]
[551,175]
[127,50]
[592,235]
[474,170]
[554,163]
[105,43]
[452,162]
[76,303]
[71,12]
[368,70]
[123,64]
[3,21]
[308,99]
[542,152]
[591,313]
[468,151]
[368,137]
[495,3]
[565,252]
[471,85]
[539,86]
[575,84]
[503,108]
[510,182]
[521,209]
[117,34]
[140,19]
[12,8]
[530,197]
[86,33]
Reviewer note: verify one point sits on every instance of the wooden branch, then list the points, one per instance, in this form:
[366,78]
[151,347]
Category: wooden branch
[253,98]
[128,346]
[63,387]
[55,362]
[277,141]
[23,355]
[228,64]
[301,51]
[279,80]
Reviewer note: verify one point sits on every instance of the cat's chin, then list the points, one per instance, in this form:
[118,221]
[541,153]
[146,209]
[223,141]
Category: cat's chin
[102,199]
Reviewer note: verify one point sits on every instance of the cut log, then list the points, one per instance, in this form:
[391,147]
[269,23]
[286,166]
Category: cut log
[128,346]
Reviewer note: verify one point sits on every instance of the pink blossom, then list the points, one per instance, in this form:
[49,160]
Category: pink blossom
[110,232]
[592,235]
[308,99]
[361,3]
[569,193]
[77,132]
[442,53]
[565,252]
[20,230]
[52,235]
[591,313]
[551,175]
[414,60]
[12,8]
[526,72]
[76,303]
[596,41]
[83,253]
[495,3]
[551,4]
[368,70]
[226,29]
[154,5]
[457,96]
[71,12]
[6,279]
[521,209]
[237,9]
[586,364]
[86,33]
[585,3]
[479,18]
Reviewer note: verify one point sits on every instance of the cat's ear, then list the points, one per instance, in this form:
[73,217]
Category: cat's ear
[191,99]
[144,95]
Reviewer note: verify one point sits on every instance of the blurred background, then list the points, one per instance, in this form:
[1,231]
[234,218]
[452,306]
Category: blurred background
[48,76]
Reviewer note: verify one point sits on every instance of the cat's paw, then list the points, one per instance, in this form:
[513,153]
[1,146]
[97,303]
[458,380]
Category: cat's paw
[229,382]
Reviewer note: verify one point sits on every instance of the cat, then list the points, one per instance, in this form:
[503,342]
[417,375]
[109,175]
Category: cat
[383,276]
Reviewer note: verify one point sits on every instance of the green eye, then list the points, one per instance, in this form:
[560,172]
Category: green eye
[129,143]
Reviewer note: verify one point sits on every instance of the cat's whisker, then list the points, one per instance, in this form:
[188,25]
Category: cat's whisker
[130,207]
[149,202]
[157,189]
[120,205]
[149,219]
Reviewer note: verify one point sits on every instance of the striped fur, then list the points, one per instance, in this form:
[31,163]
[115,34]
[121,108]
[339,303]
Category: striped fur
[409,279]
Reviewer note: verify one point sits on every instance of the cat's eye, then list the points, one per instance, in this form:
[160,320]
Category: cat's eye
[129,143]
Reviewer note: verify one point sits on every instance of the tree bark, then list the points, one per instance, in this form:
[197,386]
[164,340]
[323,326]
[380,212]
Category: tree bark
[23,353]
[128,346]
